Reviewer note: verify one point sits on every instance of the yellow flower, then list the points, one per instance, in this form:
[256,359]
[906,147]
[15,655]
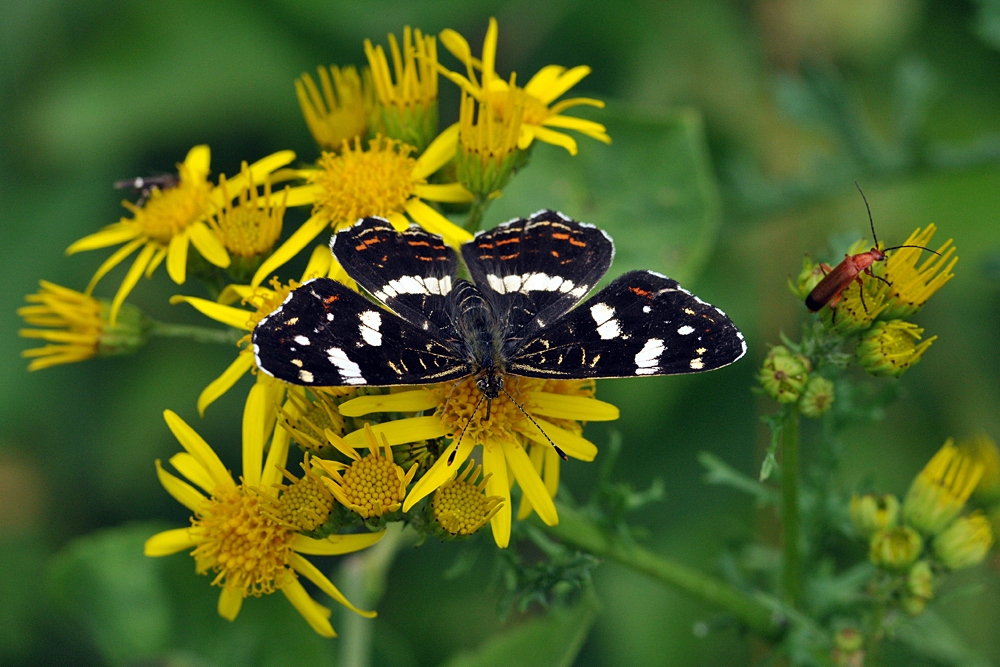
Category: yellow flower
[504,437]
[383,180]
[371,486]
[264,301]
[889,348]
[460,505]
[304,505]
[231,535]
[538,117]
[940,491]
[342,111]
[77,327]
[965,542]
[251,227]
[308,418]
[913,285]
[982,449]
[168,222]
[488,154]
[407,109]
[870,514]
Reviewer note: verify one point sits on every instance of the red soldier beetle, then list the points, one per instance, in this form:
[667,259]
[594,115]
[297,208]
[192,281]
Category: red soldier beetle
[829,290]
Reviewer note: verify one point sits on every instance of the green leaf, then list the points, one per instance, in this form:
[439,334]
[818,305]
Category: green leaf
[652,189]
[553,640]
[718,471]
[930,636]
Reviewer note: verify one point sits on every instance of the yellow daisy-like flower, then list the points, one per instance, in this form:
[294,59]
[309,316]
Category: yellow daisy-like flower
[371,485]
[488,154]
[940,491]
[170,220]
[912,285]
[264,301]
[342,111]
[304,505]
[232,536]
[889,348]
[384,180]
[308,422]
[504,437]
[538,117]
[407,109]
[77,327]
[460,505]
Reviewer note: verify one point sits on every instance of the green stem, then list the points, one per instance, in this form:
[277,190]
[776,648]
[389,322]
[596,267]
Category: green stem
[196,333]
[790,507]
[578,531]
[476,212]
[363,582]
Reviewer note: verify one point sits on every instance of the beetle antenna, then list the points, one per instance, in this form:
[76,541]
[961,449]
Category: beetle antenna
[560,452]
[451,457]
[912,246]
[872,222]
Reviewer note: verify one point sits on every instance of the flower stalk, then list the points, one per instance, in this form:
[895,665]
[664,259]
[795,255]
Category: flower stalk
[196,333]
[791,522]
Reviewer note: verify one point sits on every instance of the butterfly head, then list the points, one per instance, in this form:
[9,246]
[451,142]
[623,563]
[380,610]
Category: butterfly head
[490,382]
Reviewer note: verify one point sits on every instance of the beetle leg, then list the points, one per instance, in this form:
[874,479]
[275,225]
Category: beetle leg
[869,272]
[861,286]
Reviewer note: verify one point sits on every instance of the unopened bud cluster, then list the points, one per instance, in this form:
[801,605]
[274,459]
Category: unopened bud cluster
[784,376]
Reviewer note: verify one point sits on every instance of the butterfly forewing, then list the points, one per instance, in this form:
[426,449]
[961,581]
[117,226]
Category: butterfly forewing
[536,269]
[411,272]
[327,335]
[640,324]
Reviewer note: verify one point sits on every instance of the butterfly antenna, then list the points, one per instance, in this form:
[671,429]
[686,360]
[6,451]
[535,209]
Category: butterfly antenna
[560,452]
[872,222]
[451,457]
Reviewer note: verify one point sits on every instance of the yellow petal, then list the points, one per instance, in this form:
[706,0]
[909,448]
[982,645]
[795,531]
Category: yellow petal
[161,253]
[404,401]
[233,293]
[111,262]
[302,237]
[318,264]
[537,455]
[312,573]
[555,138]
[131,278]
[189,466]
[436,223]
[253,433]
[177,254]
[197,161]
[587,127]
[223,383]
[561,106]
[300,195]
[495,470]
[230,603]
[530,482]
[234,317]
[335,545]
[543,81]
[316,615]
[579,408]
[399,221]
[525,136]
[169,542]
[208,244]
[182,492]
[566,81]
[456,44]
[400,431]
[552,463]
[277,455]
[448,192]
[113,234]
[437,155]
[439,473]
[572,444]
[259,172]
[198,448]
[490,52]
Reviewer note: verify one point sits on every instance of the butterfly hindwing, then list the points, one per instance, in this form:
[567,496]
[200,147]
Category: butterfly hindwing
[327,335]
[411,272]
[535,269]
[640,324]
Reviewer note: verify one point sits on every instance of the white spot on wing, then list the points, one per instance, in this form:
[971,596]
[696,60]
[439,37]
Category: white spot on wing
[496,284]
[697,364]
[647,358]
[685,330]
[369,329]
[302,340]
[512,283]
[305,376]
[607,327]
[350,372]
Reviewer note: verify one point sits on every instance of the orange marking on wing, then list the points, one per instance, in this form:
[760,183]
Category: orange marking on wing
[419,243]
[640,292]
[513,240]
[578,244]
[561,237]
[485,245]
[486,257]
[372,241]
[360,247]
[555,254]
[506,257]
[330,299]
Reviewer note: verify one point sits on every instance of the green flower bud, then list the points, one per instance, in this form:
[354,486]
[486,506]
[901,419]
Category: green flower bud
[784,375]
[808,278]
[870,513]
[889,348]
[920,580]
[965,542]
[848,648]
[895,548]
[914,605]
[817,398]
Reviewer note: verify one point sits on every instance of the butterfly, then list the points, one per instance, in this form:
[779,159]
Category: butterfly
[521,314]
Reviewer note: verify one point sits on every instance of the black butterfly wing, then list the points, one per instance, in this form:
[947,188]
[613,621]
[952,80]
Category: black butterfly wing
[327,335]
[533,270]
[640,324]
[411,272]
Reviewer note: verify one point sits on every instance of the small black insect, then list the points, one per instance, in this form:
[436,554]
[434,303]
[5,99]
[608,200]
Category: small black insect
[517,317]
[144,186]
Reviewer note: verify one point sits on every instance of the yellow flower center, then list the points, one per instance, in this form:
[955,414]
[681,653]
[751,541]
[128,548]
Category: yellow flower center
[357,183]
[248,550]
[533,111]
[248,229]
[168,212]
[373,486]
[456,405]
[308,429]
[305,504]
[461,507]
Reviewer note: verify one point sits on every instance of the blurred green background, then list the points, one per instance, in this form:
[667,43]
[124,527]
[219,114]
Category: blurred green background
[767,110]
